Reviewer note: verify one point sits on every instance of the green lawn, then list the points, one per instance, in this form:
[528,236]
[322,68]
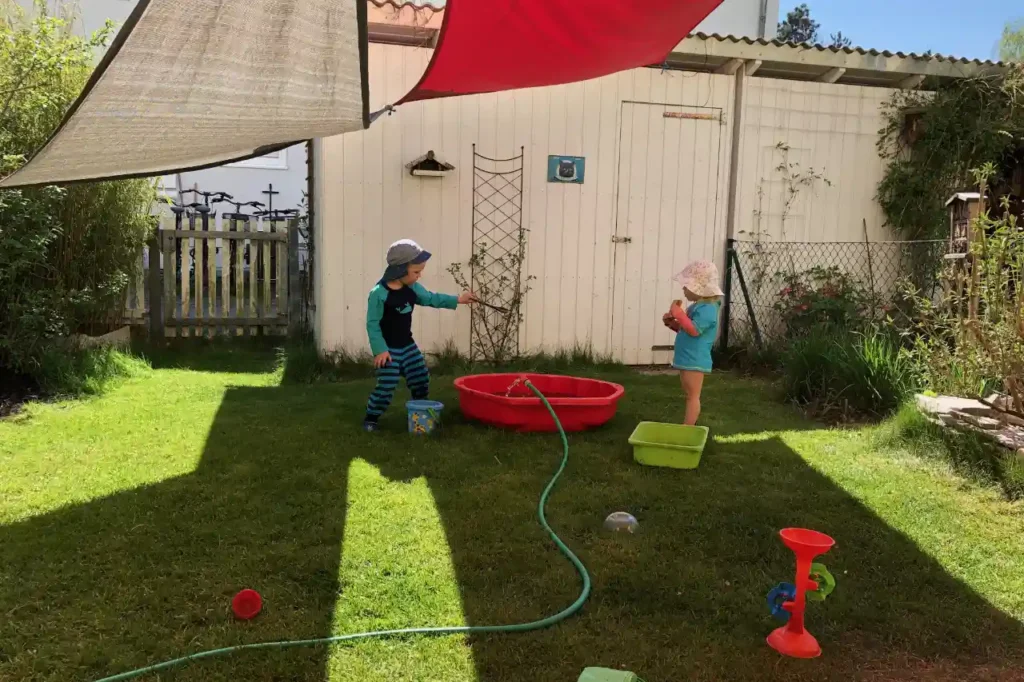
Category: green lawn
[127,523]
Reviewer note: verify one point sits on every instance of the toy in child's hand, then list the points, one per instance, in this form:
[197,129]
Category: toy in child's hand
[671,318]
[682,319]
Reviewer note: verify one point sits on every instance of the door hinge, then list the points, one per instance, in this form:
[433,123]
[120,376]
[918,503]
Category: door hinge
[622,240]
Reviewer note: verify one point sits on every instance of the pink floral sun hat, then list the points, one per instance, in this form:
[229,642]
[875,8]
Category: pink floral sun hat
[700,277]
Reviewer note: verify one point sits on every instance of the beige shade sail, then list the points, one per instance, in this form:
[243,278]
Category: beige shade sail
[189,84]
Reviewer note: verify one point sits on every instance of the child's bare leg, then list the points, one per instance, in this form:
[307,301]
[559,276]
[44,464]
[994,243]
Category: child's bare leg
[692,383]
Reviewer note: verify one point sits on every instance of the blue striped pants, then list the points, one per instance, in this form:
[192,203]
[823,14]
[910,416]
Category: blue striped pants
[405,362]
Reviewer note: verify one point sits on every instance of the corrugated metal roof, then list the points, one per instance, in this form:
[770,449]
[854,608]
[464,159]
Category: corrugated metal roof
[845,50]
[848,66]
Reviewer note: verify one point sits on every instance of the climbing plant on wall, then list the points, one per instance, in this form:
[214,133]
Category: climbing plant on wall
[932,140]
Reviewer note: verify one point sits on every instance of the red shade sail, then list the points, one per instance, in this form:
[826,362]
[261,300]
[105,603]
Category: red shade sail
[494,45]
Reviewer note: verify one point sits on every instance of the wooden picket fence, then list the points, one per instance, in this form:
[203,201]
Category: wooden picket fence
[232,281]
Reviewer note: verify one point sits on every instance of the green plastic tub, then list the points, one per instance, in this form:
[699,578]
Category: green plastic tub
[607,675]
[668,445]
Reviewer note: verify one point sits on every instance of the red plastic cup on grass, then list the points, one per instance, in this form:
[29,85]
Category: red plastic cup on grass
[247,604]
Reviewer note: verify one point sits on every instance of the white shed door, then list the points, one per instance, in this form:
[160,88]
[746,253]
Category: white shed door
[667,210]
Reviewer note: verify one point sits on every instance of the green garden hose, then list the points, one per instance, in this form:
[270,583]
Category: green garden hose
[466,629]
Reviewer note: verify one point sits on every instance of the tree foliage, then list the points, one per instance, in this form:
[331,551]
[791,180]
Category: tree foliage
[799,27]
[931,141]
[838,40]
[65,253]
[1011,45]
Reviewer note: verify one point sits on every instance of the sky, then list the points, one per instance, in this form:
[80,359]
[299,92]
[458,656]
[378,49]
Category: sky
[962,29]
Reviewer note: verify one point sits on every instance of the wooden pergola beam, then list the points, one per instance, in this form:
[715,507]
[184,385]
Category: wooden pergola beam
[832,75]
[730,67]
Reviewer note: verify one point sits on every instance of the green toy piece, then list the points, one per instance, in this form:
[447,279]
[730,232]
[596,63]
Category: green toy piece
[607,675]
[826,583]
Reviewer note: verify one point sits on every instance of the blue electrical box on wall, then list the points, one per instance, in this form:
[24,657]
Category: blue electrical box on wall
[566,169]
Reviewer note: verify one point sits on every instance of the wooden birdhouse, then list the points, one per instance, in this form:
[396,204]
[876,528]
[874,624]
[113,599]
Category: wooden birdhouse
[429,166]
[964,208]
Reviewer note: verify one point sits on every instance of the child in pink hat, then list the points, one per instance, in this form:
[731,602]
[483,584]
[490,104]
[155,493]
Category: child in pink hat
[696,329]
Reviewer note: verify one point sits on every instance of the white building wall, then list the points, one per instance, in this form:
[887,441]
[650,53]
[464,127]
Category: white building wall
[831,131]
[286,173]
[367,199]
[743,18]
[660,180]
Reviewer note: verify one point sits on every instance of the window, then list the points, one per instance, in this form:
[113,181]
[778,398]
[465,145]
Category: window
[274,161]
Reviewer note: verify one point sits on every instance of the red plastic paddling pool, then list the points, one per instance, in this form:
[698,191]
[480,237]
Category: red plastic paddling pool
[579,403]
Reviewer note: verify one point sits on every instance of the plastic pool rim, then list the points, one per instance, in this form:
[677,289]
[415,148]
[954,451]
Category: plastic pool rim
[479,400]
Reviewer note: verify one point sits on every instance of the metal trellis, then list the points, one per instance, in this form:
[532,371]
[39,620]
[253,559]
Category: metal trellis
[499,248]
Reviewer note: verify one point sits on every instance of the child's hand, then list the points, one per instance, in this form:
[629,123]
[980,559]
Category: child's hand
[670,322]
[382,360]
[467,297]
[676,309]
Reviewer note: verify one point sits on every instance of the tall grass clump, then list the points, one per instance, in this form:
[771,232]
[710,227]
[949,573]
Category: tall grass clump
[844,375]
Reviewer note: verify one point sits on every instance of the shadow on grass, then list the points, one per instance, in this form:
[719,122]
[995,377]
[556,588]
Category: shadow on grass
[256,355]
[148,574]
[684,599]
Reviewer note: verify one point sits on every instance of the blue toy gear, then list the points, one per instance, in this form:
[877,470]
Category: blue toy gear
[779,595]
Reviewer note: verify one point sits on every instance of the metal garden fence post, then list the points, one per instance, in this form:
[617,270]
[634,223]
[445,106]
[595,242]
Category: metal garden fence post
[727,305]
[295,312]
[746,297]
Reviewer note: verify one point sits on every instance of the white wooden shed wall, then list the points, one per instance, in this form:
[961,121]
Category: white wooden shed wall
[660,180]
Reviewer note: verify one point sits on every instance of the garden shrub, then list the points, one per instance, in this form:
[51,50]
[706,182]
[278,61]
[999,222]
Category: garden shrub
[845,375]
[832,357]
[66,254]
[972,342]
[822,298]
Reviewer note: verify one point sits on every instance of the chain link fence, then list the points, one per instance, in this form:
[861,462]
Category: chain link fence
[775,287]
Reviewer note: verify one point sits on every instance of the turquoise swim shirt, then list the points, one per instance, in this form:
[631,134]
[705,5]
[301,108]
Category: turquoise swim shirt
[694,352]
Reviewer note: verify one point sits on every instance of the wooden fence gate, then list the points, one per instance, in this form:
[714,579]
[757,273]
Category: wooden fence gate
[242,280]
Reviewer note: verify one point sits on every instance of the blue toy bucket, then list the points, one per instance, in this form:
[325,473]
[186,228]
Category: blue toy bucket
[424,416]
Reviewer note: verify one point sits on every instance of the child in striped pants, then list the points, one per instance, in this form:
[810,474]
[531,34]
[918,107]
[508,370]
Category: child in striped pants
[389,326]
